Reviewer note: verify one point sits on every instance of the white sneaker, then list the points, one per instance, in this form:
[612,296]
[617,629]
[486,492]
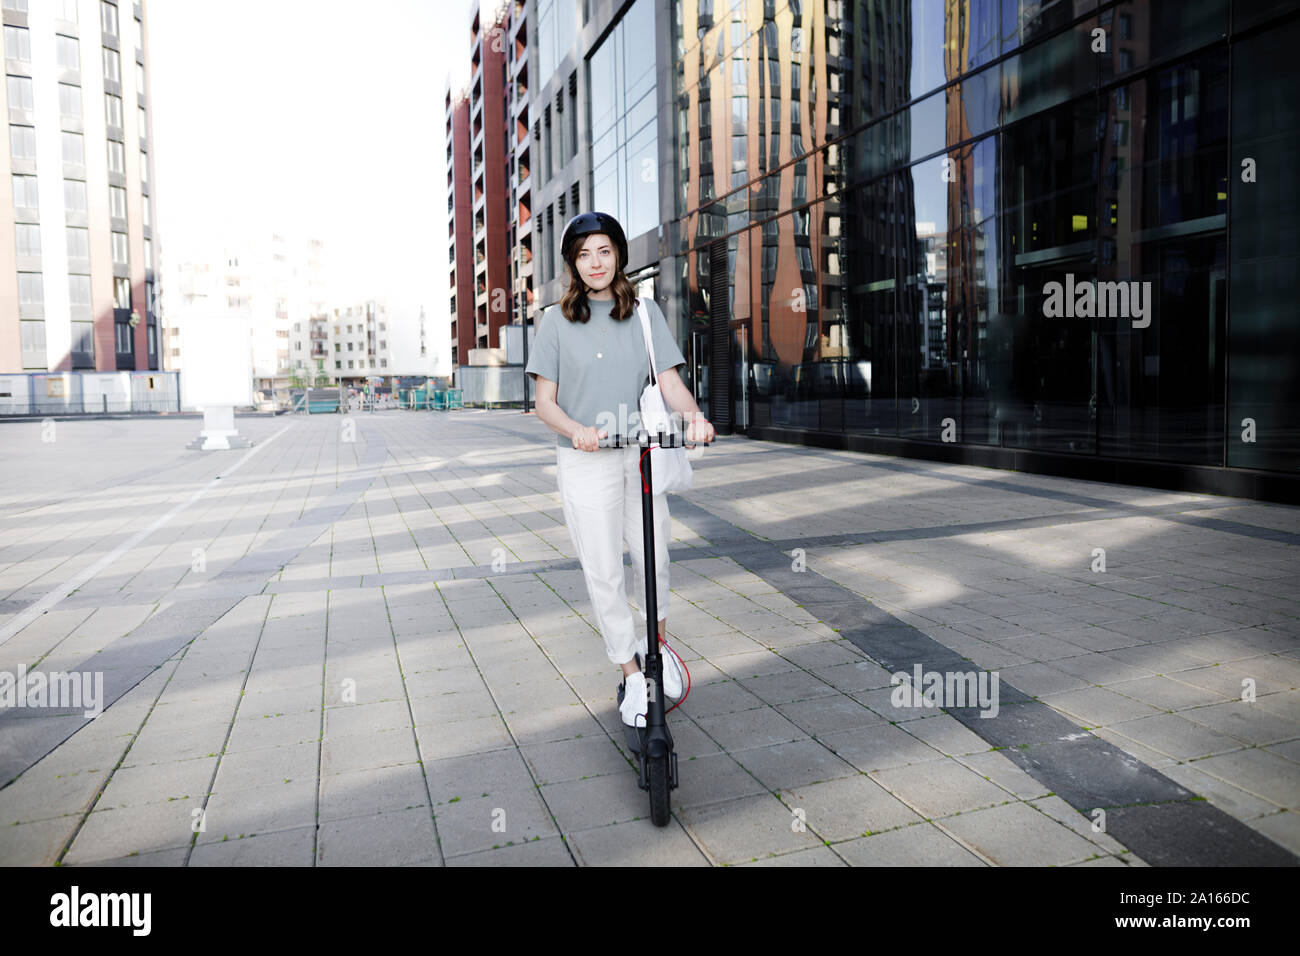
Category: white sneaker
[635,702]
[672,670]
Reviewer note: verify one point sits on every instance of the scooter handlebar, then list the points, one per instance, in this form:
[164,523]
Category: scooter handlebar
[644,439]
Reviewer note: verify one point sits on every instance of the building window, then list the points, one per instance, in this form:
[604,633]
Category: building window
[30,290]
[116,158]
[33,339]
[117,202]
[121,291]
[22,142]
[74,151]
[139,76]
[68,53]
[144,124]
[25,192]
[79,295]
[113,110]
[18,5]
[78,243]
[119,249]
[139,36]
[18,44]
[29,239]
[144,210]
[144,168]
[112,66]
[74,195]
[20,93]
[70,100]
[68,10]
[108,17]
[123,343]
[148,254]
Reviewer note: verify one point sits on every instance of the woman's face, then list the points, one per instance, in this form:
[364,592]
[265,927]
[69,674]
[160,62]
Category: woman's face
[597,261]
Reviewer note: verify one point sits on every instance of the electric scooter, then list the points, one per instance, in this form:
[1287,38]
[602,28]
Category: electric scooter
[652,744]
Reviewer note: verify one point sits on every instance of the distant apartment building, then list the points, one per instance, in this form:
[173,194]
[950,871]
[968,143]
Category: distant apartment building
[357,343]
[78,250]
[487,186]
[270,287]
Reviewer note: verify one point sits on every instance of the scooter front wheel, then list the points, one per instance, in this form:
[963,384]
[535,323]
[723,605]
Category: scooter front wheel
[657,770]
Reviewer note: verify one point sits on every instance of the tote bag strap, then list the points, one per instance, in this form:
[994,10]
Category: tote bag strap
[649,338]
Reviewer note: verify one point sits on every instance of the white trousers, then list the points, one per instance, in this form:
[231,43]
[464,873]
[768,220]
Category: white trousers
[601,493]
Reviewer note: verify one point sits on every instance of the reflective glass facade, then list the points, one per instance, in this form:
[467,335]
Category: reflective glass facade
[994,224]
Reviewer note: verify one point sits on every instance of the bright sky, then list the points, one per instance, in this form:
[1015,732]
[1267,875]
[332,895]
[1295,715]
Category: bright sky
[310,117]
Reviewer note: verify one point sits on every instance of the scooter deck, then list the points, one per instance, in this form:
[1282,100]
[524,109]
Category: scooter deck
[635,735]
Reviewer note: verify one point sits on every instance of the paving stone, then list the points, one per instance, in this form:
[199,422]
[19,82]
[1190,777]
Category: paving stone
[486,822]
[1232,800]
[947,735]
[1174,735]
[377,790]
[745,829]
[38,843]
[921,844]
[848,807]
[636,843]
[827,715]
[159,783]
[596,801]
[787,765]
[277,806]
[721,698]
[107,834]
[879,748]
[748,729]
[712,778]
[1017,835]
[550,851]
[1283,828]
[1258,772]
[940,788]
[453,738]
[158,858]
[574,759]
[1040,680]
[256,733]
[351,719]
[282,848]
[389,839]
[817,856]
[1248,722]
[1098,707]
[272,765]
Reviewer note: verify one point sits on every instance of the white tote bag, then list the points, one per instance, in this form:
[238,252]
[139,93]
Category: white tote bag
[669,467]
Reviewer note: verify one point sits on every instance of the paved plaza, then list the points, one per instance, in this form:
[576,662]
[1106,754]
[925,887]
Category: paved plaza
[367,640]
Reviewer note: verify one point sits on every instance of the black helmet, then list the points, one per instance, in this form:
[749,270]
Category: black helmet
[590,224]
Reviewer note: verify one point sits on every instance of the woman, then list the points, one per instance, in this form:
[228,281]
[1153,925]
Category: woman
[590,363]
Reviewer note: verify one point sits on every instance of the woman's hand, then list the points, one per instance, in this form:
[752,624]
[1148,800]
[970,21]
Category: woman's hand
[699,430]
[587,438]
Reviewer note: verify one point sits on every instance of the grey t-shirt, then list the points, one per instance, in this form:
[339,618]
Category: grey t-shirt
[601,364]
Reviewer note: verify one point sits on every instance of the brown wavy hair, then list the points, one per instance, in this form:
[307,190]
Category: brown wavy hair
[574,301]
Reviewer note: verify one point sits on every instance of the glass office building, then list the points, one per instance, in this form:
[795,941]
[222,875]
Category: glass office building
[1055,236]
